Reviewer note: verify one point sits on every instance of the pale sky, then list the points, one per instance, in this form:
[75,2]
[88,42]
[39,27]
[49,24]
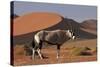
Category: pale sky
[76,12]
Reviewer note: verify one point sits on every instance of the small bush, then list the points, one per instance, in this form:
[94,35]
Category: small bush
[81,51]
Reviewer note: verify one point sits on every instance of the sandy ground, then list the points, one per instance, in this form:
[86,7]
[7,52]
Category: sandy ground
[66,54]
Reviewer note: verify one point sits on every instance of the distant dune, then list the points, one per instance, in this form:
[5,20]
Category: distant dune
[89,26]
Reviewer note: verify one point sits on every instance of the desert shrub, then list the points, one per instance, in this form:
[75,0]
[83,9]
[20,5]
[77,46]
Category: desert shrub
[81,51]
[18,50]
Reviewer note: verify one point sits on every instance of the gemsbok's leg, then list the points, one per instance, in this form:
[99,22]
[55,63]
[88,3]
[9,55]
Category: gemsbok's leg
[33,53]
[39,53]
[58,51]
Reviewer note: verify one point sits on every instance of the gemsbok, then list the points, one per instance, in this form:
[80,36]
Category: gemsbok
[55,37]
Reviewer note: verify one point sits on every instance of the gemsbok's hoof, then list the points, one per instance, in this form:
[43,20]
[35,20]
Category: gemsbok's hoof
[41,58]
[33,58]
[57,57]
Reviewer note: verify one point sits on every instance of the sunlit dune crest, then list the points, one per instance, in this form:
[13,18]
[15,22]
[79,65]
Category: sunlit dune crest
[34,21]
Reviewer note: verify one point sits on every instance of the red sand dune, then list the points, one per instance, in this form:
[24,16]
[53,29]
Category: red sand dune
[34,21]
[89,26]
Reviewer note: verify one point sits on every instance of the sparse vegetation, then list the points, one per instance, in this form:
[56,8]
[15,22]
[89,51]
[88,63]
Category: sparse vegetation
[79,51]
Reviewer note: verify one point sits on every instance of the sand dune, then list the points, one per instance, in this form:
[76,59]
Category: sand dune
[89,26]
[34,21]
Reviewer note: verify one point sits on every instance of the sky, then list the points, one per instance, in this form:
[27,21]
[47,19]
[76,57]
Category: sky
[77,12]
